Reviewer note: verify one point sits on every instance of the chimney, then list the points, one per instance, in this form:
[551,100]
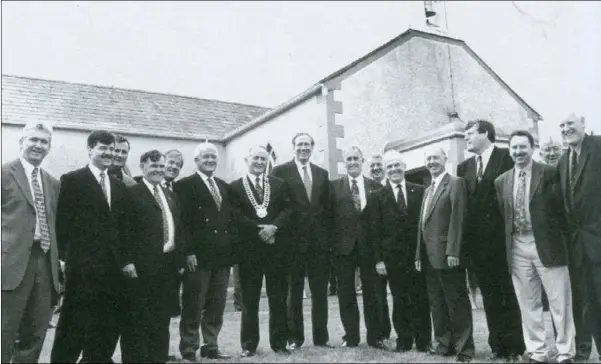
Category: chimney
[436,16]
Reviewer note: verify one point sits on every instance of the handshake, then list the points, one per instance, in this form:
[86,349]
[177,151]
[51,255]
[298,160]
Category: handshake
[267,233]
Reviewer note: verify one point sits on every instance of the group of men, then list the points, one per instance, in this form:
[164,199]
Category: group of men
[125,246]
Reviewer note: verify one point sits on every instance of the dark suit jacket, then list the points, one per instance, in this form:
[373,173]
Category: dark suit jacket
[485,226]
[546,213]
[350,227]
[443,225]
[89,234]
[19,220]
[584,216]
[310,219]
[143,242]
[395,230]
[247,222]
[209,233]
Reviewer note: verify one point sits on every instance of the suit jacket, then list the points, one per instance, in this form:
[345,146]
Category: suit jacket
[395,230]
[247,222]
[485,226]
[143,242]
[350,228]
[89,233]
[582,201]
[310,219]
[209,233]
[19,220]
[546,213]
[443,225]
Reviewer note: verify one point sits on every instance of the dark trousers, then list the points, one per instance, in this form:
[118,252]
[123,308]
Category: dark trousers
[333,280]
[383,309]
[586,294]
[203,303]
[346,266]
[27,309]
[237,287]
[314,264]
[272,266]
[501,307]
[410,307]
[451,310]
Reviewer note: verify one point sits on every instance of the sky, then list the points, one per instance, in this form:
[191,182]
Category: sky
[264,53]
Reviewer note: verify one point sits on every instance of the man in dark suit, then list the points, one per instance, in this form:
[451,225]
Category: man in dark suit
[308,245]
[117,169]
[376,171]
[151,258]
[262,214]
[395,229]
[440,252]
[89,227]
[30,266]
[484,239]
[530,200]
[209,237]
[580,173]
[353,201]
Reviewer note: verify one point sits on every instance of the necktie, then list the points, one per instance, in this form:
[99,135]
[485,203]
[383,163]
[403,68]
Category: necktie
[519,221]
[307,182]
[169,186]
[401,198]
[259,189]
[157,196]
[103,186]
[41,210]
[479,175]
[573,166]
[428,201]
[356,195]
[215,194]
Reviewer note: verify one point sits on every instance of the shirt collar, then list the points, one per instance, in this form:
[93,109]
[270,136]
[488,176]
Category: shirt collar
[300,166]
[438,179]
[384,181]
[28,167]
[96,171]
[204,176]
[578,147]
[527,169]
[402,183]
[253,178]
[487,153]
[359,179]
[149,185]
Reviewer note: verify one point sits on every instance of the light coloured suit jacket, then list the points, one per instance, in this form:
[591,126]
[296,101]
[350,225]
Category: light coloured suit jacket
[19,220]
[442,228]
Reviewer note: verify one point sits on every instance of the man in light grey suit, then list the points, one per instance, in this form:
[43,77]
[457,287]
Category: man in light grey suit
[439,252]
[30,266]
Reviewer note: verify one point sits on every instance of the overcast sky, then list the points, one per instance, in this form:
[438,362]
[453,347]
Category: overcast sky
[264,53]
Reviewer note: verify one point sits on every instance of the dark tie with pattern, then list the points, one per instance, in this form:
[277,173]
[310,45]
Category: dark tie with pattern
[214,193]
[479,175]
[259,189]
[400,198]
[41,210]
[169,185]
[520,221]
[356,195]
[307,182]
[103,186]
[157,196]
[573,167]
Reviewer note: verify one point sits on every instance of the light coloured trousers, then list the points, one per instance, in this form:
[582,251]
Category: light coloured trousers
[528,273]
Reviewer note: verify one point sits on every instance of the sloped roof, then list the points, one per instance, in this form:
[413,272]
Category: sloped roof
[366,60]
[88,107]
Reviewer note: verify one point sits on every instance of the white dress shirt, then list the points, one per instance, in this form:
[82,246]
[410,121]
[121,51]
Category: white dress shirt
[170,244]
[253,180]
[205,179]
[107,183]
[384,181]
[300,169]
[361,185]
[486,156]
[395,189]
[516,183]
[28,167]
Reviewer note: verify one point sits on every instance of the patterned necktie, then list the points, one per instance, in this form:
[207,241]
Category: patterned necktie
[169,186]
[573,166]
[519,220]
[400,200]
[103,186]
[214,193]
[157,197]
[356,195]
[41,210]
[307,182]
[428,201]
[479,175]
[259,189]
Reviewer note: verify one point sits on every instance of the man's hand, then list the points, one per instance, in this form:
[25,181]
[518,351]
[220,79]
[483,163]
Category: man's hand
[418,265]
[452,261]
[191,262]
[130,271]
[267,232]
[381,268]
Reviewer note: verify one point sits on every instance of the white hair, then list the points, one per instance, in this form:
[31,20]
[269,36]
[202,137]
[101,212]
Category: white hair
[393,156]
[257,147]
[203,147]
[36,125]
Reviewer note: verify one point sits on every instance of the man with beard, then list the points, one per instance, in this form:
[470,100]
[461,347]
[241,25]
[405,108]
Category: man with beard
[309,248]
[550,152]
[120,161]
[440,253]
[484,239]
[376,170]
[395,229]
[353,203]
[262,213]
[89,227]
[208,246]
[530,200]
[580,173]
[151,258]
[30,266]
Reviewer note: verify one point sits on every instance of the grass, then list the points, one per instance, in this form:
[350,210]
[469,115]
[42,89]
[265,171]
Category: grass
[229,342]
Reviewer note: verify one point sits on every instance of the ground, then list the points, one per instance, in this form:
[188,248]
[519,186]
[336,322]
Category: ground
[229,342]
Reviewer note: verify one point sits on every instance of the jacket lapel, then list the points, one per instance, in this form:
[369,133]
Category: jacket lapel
[390,195]
[295,174]
[563,174]
[437,194]
[586,153]
[508,193]
[22,181]
[149,195]
[48,192]
[535,180]
[314,180]
[493,164]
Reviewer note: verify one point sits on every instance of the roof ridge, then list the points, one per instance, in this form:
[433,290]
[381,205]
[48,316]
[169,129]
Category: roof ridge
[130,90]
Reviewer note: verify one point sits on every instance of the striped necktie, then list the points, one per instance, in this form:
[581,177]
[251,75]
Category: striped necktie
[41,210]
[214,193]
[157,196]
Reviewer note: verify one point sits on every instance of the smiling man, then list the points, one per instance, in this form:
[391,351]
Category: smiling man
[174,162]
[120,160]
[550,152]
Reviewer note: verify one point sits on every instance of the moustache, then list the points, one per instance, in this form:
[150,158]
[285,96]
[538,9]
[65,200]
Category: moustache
[106,155]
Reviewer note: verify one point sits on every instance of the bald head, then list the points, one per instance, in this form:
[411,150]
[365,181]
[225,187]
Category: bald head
[436,161]
[395,166]
[572,129]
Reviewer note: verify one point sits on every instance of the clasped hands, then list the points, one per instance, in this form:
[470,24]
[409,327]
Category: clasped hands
[452,262]
[267,233]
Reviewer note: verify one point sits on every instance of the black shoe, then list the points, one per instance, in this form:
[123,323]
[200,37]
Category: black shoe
[346,344]
[441,351]
[424,349]
[214,354]
[378,345]
[247,354]
[294,346]
[171,359]
[463,358]
[189,358]
[282,351]
[332,293]
[325,345]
